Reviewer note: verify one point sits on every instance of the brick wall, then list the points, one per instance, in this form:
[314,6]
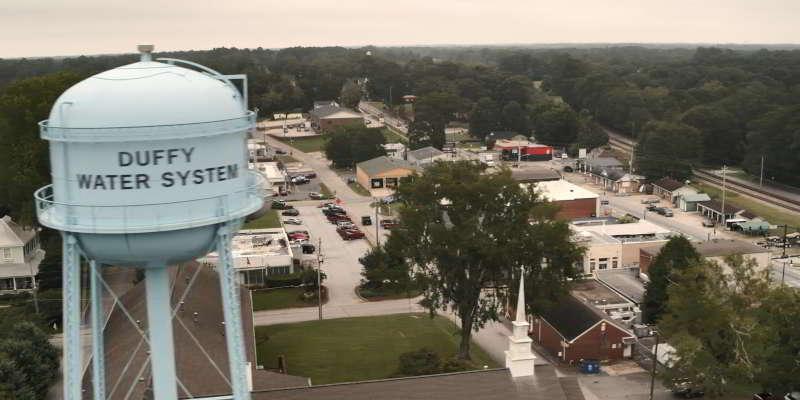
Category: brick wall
[580,208]
[597,343]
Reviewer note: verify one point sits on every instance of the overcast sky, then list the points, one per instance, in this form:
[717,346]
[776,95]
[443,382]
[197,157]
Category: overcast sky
[72,27]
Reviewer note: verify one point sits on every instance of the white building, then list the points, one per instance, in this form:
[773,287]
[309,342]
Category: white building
[426,156]
[612,246]
[277,178]
[20,256]
[258,253]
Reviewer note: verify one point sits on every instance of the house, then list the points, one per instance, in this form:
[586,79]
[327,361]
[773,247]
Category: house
[573,331]
[716,250]
[20,256]
[665,187]
[383,172]
[523,150]
[257,254]
[689,202]
[573,201]
[681,192]
[425,156]
[628,238]
[535,173]
[395,150]
[327,118]
[598,295]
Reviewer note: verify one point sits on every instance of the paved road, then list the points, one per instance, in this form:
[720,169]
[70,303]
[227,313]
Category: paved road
[790,275]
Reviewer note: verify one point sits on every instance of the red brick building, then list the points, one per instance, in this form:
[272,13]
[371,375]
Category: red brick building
[574,202]
[573,331]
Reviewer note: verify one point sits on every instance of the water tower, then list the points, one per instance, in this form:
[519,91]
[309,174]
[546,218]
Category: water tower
[149,169]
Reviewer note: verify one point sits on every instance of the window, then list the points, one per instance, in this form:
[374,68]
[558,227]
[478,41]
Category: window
[376,183]
[603,263]
[614,263]
[391,182]
[24,283]
[278,271]
[5,254]
[7,284]
[591,265]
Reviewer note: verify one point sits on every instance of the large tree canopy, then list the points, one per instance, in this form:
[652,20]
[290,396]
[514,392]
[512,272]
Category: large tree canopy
[668,149]
[465,230]
[352,144]
[676,255]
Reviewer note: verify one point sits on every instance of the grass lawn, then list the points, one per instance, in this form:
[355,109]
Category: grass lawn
[274,299]
[306,144]
[359,189]
[393,137]
[771,214]
[355,349]
[379,295]
[285,158]
[271,219]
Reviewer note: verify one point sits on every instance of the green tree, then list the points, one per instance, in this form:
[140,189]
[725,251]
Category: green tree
[777,343]
[422,134]
[483,118]
[668,149]
[555,124]
[384,269]
[464,230]
[350,94]
[28,348]
[515,119]
[348,145]
[712,322]
[432,113]
[676,255]
[723,141]
[24,156]
[590,134]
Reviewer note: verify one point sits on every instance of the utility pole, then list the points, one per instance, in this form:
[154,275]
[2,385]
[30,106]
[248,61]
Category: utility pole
[724,170]
[761,179]
[377,225]
[319,278]
[655,364]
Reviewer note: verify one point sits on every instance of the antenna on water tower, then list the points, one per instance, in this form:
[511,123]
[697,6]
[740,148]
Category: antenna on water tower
[149,170]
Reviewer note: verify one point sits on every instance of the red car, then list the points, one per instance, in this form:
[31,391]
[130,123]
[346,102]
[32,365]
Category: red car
[350,234]
[389,224]
[297,236]
[334,218]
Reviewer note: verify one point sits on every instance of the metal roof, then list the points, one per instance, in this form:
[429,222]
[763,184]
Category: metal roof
[727,247]
[668,184]
[334,112]
[562,190]
[695,197]
[425,152]
[383,164]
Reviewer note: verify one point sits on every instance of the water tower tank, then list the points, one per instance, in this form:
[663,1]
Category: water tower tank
[147,159]
[149,168]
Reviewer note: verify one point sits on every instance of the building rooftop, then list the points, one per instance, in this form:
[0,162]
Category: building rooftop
[333,112]
[639,231]
[383,164]
[624,282]
[271,170]
[696,197]
[594,292]
[717,207]
[425,152]
[562,190]
[12,234]
[535,174]
[571,317]
[199,346]
[493,384]
[604,162]
[726,247]
[668,184]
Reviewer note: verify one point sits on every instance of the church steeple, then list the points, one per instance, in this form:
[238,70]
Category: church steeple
[519,356]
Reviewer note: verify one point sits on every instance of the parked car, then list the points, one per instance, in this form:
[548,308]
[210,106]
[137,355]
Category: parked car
[708,223]
[292,212]
[297,236]
[299,180]
[316,196]
[389,224]
[311,175]
[349,233]
[568,169]
[308,248]
[666,212]
[649,200]
[366,220]
[603,202]
[293,221]
[280,205]
[653,207]
[687,389]
[280,152]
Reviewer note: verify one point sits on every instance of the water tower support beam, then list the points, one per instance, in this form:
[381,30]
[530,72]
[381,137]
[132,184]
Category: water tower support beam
[71,274]
[232,311]
[98,323]
[159,326]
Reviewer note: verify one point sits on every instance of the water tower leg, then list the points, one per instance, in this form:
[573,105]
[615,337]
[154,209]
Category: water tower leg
[232,310]
[159,324]
[71,274]
[98,322]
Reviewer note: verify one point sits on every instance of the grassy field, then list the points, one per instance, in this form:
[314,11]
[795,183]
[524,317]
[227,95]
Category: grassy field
[274,299]
[771,214]
[359,189]
[306,144]
[271,219]
[354,349]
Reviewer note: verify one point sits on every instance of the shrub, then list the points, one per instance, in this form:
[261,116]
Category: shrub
[275,281]
[456,365]
[420,362]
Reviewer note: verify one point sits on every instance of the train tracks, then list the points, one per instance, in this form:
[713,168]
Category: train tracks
[626,145]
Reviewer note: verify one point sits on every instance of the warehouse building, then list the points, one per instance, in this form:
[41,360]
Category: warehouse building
[426,156]
[328,118]
[573,201]
[383,174]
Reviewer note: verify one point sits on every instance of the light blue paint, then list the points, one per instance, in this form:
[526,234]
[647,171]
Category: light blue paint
[159,328]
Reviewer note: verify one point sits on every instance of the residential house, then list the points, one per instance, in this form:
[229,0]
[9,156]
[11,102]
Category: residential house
[383,172]
[20,256]
[688,202]
[574,331]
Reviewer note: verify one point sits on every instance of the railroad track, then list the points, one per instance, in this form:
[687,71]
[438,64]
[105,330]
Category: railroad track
[748,190]
[626,145]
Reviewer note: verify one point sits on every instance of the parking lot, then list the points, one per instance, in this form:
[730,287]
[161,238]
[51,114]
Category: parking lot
[340,257]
